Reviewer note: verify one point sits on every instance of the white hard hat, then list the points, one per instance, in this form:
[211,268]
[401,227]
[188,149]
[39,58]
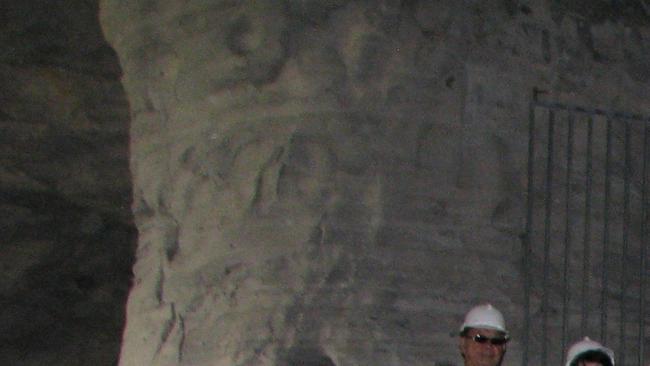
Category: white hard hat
[484,316]
[587,345]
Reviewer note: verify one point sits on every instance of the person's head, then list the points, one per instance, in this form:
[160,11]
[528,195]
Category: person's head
[483,337]
[589,353]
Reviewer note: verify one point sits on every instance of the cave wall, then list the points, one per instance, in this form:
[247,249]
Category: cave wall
[336,183]
[67,237]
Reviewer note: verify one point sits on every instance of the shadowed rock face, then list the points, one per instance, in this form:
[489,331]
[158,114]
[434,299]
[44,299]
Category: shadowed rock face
[66,231]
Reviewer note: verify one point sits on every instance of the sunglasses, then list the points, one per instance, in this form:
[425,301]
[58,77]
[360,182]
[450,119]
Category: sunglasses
[481,339]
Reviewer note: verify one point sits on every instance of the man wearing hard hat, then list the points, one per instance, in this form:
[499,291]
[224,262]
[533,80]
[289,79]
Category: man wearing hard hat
[589,353]
[483,337]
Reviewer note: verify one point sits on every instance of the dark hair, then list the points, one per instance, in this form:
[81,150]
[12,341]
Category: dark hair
[593,356]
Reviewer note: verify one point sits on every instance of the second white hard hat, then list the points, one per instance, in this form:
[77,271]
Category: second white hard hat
[587,345]
[484,316]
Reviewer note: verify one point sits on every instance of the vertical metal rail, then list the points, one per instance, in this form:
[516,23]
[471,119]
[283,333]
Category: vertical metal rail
[608,188]
[644,237]
[586,263]
[547,233]
[529,227]
[588,325]
[626,230]
[567,230]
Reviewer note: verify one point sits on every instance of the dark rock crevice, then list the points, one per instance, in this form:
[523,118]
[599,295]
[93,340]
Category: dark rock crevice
[67,238]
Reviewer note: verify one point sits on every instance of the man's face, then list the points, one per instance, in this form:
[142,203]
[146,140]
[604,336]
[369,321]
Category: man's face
[479,351]
[589,363]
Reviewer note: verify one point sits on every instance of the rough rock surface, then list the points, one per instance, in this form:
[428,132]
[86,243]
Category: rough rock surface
[320,182]
[337,182]
[67,237]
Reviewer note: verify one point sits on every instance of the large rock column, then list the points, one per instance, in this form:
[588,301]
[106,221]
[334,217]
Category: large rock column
[290,160]
[335,182]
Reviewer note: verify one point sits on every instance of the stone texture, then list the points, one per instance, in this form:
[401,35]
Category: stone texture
[335,183]
[324,183]
[316,182]
[67,236]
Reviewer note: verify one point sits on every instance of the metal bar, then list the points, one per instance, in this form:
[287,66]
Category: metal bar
[591,111]
[547,233]
[608,188]
[626,230]
[586,263]
[587,296]
[644,238]
[529,229]
[567,230]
